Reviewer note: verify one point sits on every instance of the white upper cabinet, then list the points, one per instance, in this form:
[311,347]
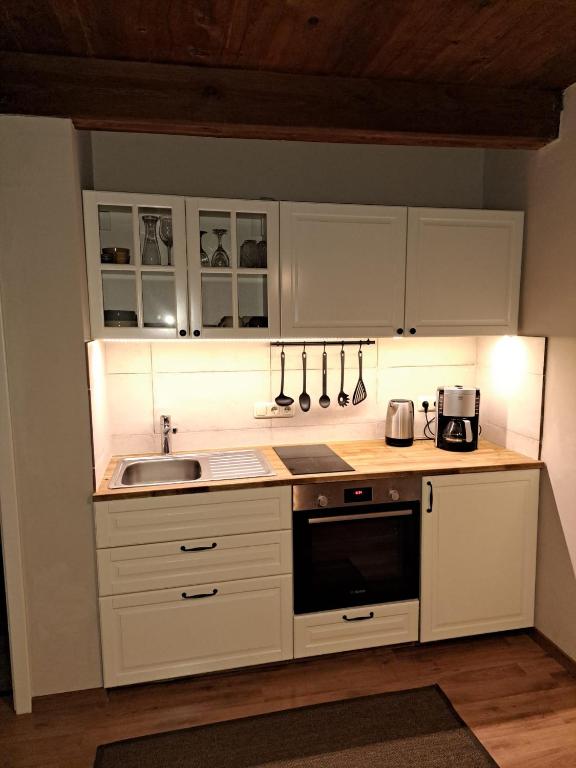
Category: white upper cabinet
[233,268]
[162,267]
[463,272]
[342,269]
[136,264]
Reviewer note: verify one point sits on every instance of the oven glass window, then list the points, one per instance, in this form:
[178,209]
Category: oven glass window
[346,562]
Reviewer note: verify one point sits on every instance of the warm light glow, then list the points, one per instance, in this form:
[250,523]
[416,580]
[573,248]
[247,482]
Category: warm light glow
[169,319]
[509,364]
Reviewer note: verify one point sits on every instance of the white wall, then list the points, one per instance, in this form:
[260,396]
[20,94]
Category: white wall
[544,182]
[41,281]
[284,170]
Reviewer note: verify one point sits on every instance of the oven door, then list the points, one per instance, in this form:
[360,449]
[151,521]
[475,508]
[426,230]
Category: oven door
[347,557]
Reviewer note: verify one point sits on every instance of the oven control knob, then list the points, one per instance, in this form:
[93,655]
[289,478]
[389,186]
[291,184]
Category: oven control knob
[322,501]
[393,493]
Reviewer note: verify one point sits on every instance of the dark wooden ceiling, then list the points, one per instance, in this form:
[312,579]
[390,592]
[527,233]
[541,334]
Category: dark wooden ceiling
[527,45]
[490,42]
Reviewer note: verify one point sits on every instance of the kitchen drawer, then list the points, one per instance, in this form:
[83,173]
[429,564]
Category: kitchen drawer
[329,631]
[192,516]
[220,558]
[161,634]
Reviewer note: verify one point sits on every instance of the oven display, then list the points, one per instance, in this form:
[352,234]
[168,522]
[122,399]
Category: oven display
[352,495]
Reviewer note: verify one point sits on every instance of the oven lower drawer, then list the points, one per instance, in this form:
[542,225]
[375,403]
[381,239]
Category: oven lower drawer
[349,629]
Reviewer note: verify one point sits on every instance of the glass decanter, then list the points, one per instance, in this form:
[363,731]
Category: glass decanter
[151,247]
[220,258]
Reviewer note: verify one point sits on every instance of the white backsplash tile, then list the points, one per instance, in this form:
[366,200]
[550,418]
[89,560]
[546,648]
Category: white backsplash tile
[314,357]
[365,411]
[525,406]
[289,435]
[212,439]
[128,357]
[515,355]
[202,401]
[99,407]
[522,444]
[194,356]
[130,403]
[209,389]
[123,445]
[414,381]
[419,352]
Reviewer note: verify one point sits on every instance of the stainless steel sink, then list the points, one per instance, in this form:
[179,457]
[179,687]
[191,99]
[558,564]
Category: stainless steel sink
[189,468]
[161,471]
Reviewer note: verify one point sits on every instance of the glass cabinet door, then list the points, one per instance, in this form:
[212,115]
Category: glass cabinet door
[136,255]
[233,268]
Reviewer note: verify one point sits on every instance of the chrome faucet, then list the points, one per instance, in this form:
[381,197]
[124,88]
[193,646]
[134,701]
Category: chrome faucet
[167,431]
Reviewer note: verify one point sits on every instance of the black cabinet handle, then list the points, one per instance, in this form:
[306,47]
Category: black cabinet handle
[412,331]
[399,331]
[359,618]
[196,333]
[431,496]
[182,332]
[184,548]
[197,597]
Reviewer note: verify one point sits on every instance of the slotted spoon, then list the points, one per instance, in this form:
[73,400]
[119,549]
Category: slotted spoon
[343,398]
[360,393]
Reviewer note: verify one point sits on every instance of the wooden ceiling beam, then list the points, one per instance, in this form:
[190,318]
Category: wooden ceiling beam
[100,94]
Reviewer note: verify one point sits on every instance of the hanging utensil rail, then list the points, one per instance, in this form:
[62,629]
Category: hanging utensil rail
[363,342]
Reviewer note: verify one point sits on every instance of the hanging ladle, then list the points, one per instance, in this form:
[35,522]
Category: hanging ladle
[304,398]
[283,400]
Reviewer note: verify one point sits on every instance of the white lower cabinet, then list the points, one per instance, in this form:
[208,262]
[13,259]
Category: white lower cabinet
[478,553]
[349,629]
[172,632]
[194,583]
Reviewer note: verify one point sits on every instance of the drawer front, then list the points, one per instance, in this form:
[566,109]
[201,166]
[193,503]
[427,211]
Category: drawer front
[370,625]
[192,516]
[158,635]
[123,570]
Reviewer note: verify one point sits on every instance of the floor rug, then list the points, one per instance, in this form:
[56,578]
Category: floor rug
[404,729]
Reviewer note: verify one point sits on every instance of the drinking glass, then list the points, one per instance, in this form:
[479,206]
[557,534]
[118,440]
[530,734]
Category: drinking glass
[165,232]
[220,258]
[204,258]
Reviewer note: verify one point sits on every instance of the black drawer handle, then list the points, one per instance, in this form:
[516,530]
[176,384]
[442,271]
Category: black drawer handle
[197,597]
[184,548]
[431,496]
[360,618]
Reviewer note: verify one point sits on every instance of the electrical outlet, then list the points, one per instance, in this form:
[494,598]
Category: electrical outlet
[431,402]
[273,411]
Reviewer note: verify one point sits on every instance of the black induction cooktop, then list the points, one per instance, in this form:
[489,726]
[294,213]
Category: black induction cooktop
[311,459]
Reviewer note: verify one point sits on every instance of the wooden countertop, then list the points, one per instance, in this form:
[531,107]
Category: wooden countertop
[370,459]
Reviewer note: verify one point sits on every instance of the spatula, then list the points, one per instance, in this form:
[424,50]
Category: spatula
[360,393]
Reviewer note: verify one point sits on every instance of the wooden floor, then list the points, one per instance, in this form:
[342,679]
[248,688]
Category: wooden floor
[518,700]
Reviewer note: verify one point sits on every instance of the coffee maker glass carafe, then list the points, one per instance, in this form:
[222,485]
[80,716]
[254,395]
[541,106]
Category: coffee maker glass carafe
[458,431]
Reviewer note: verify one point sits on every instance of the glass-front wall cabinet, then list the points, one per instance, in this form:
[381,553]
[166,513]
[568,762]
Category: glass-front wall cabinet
[166,267]
[233,267]
[136,252]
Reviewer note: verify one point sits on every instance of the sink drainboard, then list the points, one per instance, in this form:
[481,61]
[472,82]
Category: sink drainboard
[234,465]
